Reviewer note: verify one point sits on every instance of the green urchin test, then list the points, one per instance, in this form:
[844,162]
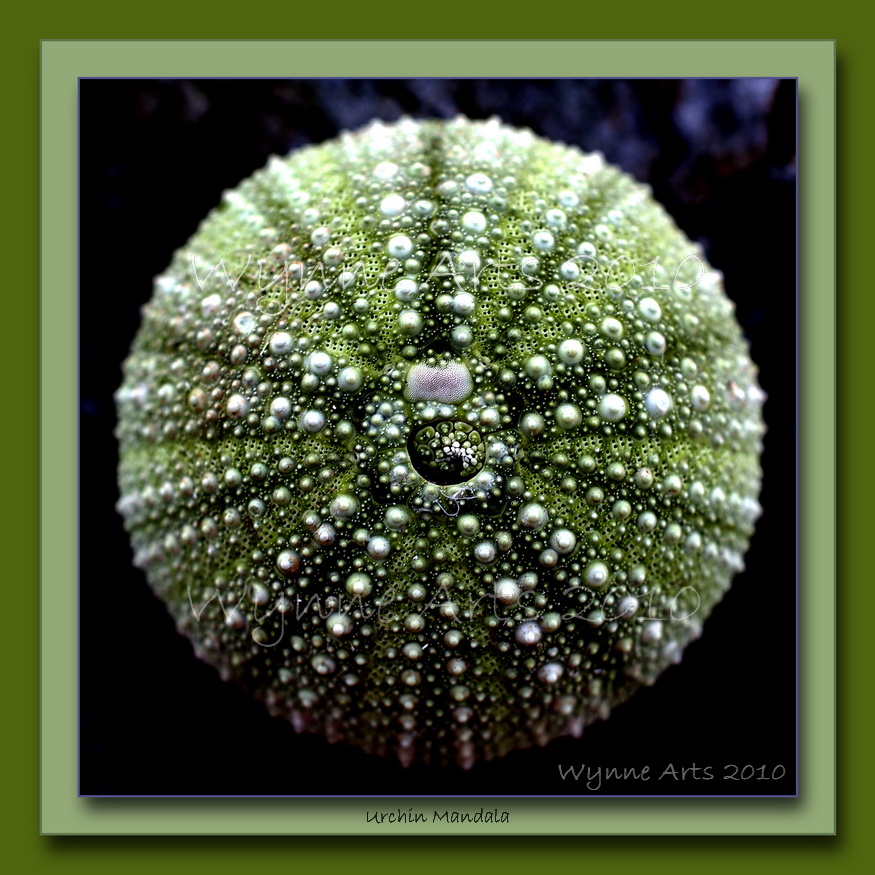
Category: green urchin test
[439,438]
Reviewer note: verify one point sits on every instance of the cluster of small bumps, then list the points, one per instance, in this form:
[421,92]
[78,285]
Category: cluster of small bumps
[440,438]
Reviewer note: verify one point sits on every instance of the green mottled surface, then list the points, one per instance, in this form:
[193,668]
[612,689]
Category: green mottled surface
[440,438]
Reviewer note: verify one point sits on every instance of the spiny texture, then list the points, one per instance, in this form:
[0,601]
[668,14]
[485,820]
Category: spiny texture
[440,438]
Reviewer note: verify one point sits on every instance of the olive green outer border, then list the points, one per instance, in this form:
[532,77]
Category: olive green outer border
[812,61]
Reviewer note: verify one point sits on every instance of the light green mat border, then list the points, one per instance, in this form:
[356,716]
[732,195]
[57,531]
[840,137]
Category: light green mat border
[812,61]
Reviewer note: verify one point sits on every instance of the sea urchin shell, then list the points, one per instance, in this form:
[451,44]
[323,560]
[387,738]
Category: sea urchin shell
[440,438]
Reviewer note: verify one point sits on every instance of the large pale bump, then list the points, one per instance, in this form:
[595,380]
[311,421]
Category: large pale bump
[447,384]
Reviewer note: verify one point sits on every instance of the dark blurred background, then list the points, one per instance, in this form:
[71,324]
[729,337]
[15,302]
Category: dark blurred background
[155,156]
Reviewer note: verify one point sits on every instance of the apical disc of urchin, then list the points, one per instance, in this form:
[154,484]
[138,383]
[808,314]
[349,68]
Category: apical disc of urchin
[440,438]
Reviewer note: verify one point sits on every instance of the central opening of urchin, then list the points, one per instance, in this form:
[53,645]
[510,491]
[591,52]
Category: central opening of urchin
[446,451]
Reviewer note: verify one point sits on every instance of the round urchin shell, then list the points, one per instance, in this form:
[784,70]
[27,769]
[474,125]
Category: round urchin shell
[440,438]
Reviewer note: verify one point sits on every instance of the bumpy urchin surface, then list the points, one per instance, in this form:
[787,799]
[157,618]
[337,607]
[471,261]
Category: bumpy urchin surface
[440,438]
